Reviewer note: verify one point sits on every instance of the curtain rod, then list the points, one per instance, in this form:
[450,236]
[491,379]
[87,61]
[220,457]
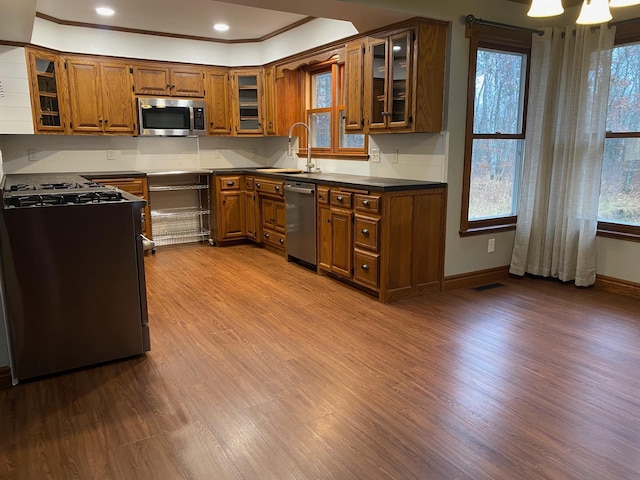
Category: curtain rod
[622,22]
[470,19]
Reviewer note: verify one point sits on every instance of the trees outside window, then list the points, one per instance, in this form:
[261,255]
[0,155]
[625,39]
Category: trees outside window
[326,115]
[620,184]
[495,132]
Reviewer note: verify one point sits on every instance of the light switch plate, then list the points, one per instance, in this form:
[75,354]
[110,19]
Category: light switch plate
[375,155]
[111,155]
[394,155]
[31,154]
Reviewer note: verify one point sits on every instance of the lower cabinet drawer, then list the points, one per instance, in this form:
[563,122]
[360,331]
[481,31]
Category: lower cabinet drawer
[133,186]
[273,238]
[366,268]
[367,232]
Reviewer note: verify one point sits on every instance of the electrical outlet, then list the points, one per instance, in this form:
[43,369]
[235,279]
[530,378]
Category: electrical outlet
[216,154]
[491,245]
[394,155]
[375,155]
[31,154]
[111,155]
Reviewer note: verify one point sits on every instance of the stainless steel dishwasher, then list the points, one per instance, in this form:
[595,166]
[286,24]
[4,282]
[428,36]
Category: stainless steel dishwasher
[300,198]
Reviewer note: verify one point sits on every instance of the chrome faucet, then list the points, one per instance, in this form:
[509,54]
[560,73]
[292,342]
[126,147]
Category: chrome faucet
[309,165]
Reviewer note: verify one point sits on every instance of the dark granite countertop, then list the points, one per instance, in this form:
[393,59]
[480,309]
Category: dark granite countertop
[335,179]
[342,180]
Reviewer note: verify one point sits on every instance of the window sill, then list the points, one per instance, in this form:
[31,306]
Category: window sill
[631,233]
[339,156]
[472,231]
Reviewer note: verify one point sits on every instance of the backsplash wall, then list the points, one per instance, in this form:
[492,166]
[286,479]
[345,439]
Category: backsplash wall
[420,156]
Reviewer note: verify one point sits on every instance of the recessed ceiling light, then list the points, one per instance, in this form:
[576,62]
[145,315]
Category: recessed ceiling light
[397,48]
[106,11]
[221,27]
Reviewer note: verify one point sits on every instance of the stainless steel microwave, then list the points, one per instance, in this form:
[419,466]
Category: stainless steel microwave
[171,117]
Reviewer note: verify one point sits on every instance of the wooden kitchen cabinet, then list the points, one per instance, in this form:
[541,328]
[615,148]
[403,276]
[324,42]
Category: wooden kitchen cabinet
[229,213]
[402,80]
[391,243]
[168,81]
[353,81]
[270,124]
[48,91]
[218,84]
[247,102]
[100,96]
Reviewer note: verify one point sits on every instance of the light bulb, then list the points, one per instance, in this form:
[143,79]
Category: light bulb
[545,8]
[593,12]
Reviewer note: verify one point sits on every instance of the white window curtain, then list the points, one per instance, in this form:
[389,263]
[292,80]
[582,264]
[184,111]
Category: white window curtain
[558,198]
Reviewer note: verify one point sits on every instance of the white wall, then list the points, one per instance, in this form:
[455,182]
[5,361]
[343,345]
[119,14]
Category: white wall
[150,47]
[15,102]
[50,154]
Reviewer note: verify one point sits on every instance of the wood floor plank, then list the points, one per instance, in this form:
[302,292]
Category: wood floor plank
[261,369]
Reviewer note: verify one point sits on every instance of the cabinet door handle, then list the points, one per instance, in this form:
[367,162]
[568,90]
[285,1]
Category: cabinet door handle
[230,183]
[365,203]
[365,267]
[340,198]
[365,231]
[282,241]
[168,85]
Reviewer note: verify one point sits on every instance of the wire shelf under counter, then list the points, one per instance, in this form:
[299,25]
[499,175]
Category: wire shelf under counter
[169,188]
[180,207]
[175,238]
[179,212]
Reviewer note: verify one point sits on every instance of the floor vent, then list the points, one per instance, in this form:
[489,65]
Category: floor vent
[489,286]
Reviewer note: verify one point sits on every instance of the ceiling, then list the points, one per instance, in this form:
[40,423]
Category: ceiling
[249,19]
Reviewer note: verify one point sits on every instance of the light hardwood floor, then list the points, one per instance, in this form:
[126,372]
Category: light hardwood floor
[260,369]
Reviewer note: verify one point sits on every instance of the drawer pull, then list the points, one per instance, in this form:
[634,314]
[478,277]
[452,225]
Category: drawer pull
[230,184]
[266,235]
[277,188]
[258,185]
[340,198]
[366,203]
[365,267]
[282,241]
[365,231]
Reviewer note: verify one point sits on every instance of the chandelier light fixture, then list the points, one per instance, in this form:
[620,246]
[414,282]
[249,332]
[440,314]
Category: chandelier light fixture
[591,13]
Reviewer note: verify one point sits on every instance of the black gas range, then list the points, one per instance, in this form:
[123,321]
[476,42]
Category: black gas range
[45,190]
[52,228]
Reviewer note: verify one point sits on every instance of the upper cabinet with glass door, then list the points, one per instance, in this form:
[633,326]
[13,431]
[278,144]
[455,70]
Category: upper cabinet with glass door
[403,79]
[48,89]
[247,101]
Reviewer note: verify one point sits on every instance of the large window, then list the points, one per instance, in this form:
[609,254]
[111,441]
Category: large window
[619,210]
[325,115]
[495,133]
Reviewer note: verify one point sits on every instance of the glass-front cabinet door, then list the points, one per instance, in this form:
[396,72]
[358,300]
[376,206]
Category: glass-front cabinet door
[48,102]
[248,97]
[378,111]
[399,73]
[389,77]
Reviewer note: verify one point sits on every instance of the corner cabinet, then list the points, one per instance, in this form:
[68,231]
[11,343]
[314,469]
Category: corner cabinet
[402,80]
[100,96]
[389,243]
[48,91]
[136,186]
[247,102]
